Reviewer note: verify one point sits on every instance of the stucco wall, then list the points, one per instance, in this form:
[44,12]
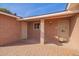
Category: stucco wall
[9,29]
[73,6]
[74,33]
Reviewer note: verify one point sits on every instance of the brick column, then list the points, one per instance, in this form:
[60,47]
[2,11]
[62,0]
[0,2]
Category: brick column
[42,31]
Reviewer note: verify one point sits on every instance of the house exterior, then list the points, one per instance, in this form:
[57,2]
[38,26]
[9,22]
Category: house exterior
[9,28]
[59,28]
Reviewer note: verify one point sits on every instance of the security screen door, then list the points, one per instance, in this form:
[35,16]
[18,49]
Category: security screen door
[63,30]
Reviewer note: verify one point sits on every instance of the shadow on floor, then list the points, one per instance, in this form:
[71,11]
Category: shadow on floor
[53,41]
[33,41]
[23,42]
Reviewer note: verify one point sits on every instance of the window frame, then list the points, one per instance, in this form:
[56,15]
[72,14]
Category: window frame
[35,28]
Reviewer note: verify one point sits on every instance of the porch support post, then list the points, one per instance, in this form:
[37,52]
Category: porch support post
[42,31]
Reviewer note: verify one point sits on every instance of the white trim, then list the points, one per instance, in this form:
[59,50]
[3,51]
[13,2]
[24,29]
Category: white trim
[48,15]
[68,5]
[42,34]
[34,27]
[9,15]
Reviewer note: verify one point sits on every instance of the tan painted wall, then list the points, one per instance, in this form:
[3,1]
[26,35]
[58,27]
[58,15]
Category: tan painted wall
[9,29]
[73,6]
[74,33]
[31,33]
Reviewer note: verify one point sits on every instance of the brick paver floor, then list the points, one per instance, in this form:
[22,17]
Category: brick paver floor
[36,50]
[32,47]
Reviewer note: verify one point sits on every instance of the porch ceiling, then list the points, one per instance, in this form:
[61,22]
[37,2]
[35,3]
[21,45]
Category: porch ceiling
[50,16]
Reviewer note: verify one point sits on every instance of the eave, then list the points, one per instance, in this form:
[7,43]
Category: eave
[48,16]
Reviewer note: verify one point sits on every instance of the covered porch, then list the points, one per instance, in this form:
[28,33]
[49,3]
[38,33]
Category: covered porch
[53,29]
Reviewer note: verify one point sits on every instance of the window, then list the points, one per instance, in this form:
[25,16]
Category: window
[36,26]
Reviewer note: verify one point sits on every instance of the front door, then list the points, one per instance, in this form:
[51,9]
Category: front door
[63,30]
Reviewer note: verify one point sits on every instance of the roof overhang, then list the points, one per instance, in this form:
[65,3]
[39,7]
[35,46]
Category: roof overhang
[10,15]
[51,16]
